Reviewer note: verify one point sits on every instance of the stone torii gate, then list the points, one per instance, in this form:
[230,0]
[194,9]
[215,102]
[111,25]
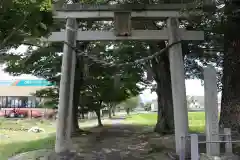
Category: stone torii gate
[122,16]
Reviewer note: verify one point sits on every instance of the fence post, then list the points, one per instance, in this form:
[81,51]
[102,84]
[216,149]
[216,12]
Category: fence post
[182,148]
[227,137]
[194,147]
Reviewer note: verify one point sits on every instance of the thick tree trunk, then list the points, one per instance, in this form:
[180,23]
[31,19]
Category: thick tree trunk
[110,112]
[230,105]
[161,69]
[75,125]
[165,125]
[113,111]
[128,111]
[83,117]
[99,117]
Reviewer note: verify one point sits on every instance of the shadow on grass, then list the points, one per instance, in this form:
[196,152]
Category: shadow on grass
[120,130]
[11,149]
[118,118]
[105,132]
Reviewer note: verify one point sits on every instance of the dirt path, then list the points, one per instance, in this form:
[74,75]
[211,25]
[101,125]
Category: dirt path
[115,141]
[123,142]
[118,142]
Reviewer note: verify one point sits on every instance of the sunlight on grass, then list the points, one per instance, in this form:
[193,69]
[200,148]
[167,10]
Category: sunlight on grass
[14,141]
[11,149]
[143,119]
[196,120]
[22,141]
[13,133]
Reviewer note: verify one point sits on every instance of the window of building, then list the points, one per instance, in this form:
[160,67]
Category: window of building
[3,102]
[18,102]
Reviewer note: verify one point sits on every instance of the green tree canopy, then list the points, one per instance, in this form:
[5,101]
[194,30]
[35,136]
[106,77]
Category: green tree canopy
[22,21]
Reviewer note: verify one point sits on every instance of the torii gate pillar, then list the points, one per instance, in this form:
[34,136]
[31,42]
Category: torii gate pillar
[178,86]
[64,123]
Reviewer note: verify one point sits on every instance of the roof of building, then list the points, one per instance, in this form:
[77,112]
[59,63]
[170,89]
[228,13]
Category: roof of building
[22,87]
[25,83]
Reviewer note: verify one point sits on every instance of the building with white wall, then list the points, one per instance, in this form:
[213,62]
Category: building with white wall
[19,93]
[154,105]
[198,104]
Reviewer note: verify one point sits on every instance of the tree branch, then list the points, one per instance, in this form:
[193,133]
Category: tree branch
[5,40]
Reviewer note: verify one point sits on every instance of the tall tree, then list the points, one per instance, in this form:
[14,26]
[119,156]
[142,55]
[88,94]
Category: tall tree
[161,70]
[130,104]
[230,114]
[101,87]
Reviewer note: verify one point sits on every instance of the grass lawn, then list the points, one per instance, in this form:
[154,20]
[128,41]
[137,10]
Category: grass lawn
[22,141]
[13,141]
[11,149]
[196,120]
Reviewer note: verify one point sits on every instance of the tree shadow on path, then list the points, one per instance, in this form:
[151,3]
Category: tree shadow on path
[110,142]
[123,142]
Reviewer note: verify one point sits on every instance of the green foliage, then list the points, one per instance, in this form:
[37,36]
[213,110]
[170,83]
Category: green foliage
[98,89]
[23,19]
[209,51]
[190,101]
[39,63]
[131,103]
[147,106]
[50,95]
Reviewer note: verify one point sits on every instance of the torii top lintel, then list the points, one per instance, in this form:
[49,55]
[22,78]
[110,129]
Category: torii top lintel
[122,7]
[78,10]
